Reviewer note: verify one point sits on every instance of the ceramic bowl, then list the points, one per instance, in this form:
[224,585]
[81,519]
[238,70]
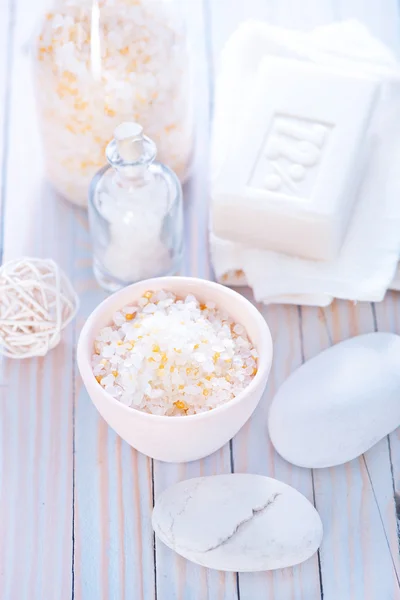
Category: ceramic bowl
[178,439]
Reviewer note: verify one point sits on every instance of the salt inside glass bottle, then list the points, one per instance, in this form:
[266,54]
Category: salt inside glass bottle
[100,62]
[135,213]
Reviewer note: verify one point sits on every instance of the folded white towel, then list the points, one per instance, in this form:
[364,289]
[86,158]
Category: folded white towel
[227,258]
[368,259]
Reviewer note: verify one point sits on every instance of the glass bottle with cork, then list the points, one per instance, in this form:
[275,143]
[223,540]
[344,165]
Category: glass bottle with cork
[135,213]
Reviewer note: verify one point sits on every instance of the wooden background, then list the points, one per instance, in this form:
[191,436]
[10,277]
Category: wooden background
[75,501]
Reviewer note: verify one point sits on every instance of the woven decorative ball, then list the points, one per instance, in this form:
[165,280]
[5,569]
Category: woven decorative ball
[37,301]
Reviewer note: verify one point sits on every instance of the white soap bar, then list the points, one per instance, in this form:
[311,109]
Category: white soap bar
[339,404]
[290,183]
[333,44]
[238,522]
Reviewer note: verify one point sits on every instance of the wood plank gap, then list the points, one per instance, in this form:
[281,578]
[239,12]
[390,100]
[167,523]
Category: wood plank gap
[232,464]
[300,321]
[321,584]
[328,332]
[395,495]
[6,121]
[74,398]
[73,480]
[302,354]
[237,586]
[383,524]
[231,456]
[154,535]
[211,93]
[376,328]
[387,320]
[374,317]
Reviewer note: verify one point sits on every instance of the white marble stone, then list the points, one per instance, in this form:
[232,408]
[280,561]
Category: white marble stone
[340,403]
[238,522]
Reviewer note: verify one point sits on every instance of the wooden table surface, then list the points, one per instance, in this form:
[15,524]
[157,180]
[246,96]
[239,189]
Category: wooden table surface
[76,501]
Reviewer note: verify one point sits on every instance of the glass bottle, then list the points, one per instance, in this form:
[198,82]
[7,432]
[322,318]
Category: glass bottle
[135,213]
[98,63]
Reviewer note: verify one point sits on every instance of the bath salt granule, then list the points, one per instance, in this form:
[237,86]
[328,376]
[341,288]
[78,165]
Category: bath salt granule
[135,214]
[164,361]
[99,63]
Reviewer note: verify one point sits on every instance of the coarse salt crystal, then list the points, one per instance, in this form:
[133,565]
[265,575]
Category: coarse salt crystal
[174,357]
[108,351]
[239,329]
[140,71]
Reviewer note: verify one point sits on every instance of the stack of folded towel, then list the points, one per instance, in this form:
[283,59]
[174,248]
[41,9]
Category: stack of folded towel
[306,155]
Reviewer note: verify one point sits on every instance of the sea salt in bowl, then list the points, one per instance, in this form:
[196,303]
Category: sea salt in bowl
[190,437]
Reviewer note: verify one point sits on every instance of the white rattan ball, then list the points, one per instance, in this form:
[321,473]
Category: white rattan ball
[36,302]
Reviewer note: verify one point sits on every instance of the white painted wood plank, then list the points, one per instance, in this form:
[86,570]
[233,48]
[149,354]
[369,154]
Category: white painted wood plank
[178,579]
[380,498]
[113,504]
[253,452]
[383,20]
[354,500]
[36,472]
[113,553]
[113,539]
[6,56]
[36,420]
[27,196]
[387,315]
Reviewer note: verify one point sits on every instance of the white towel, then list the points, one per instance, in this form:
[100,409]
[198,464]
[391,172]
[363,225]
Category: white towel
[368,260]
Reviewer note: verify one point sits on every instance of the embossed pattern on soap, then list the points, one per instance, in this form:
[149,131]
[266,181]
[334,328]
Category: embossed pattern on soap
[289,159]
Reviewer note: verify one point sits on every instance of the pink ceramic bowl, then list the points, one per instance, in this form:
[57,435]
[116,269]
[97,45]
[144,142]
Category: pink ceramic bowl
[178,439]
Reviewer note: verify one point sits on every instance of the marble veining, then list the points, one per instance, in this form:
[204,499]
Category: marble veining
[237,522]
